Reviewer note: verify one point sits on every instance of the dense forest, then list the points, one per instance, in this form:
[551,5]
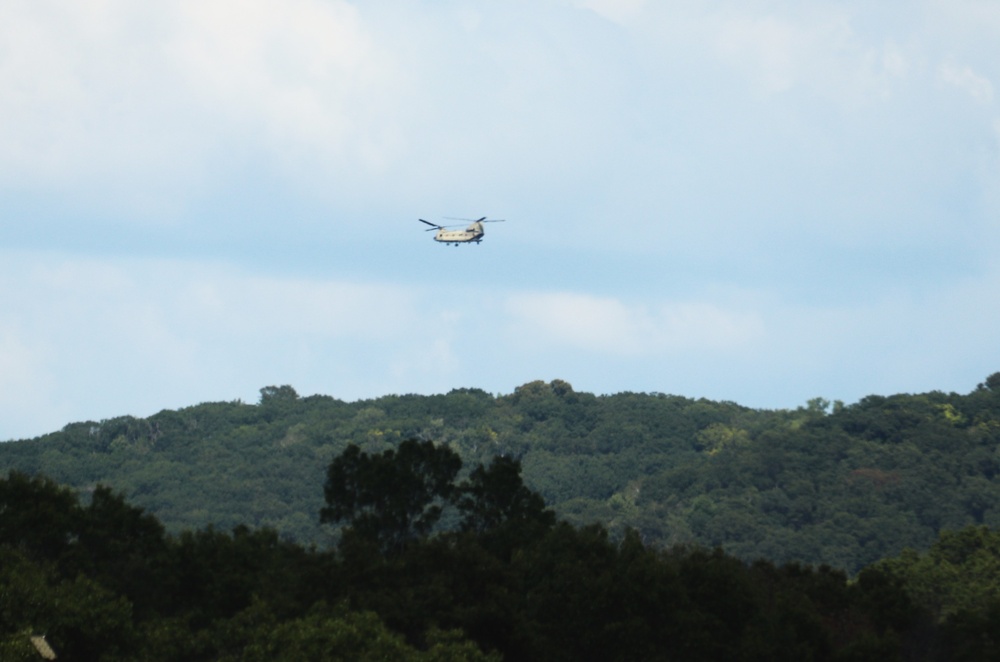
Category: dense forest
[101,580]
[826,483]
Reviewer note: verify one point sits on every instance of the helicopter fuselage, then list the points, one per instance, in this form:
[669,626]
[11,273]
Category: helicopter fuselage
[473,233]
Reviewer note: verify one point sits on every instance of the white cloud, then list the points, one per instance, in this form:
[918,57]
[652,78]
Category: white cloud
[86,339]
[144,109]
[236,304]
[304,72]
[610,326]
[769,46]
[964,78]
[439,353]
[88,100]
[619,11]
[26,381]
[894,61]
[817,49]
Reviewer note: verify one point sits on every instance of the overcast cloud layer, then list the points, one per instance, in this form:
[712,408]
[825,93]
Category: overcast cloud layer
[757,201]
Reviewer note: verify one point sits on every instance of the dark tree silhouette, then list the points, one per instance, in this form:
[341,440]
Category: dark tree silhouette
[391,498]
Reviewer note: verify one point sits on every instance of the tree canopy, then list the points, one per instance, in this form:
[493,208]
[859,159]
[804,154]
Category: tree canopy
[826,482]
[562,593]
[393,497]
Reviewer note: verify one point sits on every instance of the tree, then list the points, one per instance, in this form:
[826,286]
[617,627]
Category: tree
[335,634]
[81,618]
[495,495]
[391,498]
[957,574]
[992,382]
[37,516]
[276,393]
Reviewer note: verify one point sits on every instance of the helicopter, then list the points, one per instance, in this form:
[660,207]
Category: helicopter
[473,233]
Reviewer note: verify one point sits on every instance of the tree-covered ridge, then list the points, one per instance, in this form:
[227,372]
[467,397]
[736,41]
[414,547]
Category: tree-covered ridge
[828,483]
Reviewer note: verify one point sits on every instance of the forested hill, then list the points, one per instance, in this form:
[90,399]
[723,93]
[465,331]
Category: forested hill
[824,483]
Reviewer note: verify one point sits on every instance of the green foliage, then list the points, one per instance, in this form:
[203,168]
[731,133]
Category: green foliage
[828,483]
[82,620]
[959,573]
[495,495]
[338,635]
[393,497]
[505,584]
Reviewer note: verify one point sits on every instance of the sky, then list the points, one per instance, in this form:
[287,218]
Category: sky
[760,201]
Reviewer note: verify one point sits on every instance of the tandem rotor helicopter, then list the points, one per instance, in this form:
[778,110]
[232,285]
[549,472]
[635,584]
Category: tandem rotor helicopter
[473,233]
